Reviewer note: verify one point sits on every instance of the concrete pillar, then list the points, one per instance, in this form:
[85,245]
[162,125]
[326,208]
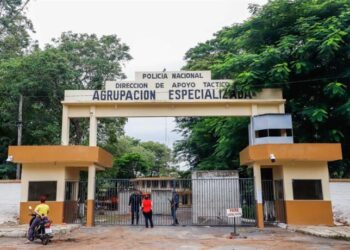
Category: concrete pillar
[65,126]
[93,127]
[91,196]
[254,109]
[258,196]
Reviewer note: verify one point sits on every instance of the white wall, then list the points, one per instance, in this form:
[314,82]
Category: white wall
[212,193]
[10,195]
[340,196]
[160,201]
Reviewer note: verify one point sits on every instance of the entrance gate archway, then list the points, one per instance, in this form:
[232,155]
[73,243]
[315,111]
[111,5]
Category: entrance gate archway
[290,168]
[165,94]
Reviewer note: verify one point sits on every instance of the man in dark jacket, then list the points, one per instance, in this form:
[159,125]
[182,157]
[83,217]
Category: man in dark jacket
[135,204]
[174,206]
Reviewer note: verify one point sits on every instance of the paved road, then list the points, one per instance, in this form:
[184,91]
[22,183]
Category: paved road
[127,237]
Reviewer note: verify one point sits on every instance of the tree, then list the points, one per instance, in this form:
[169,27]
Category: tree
[212,143]
[300,46]
[94,60]
[162,157]
[43,75]
[132,158]
[14,28]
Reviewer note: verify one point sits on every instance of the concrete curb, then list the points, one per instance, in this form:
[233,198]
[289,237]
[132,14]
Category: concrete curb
[21,231]
[336,232]
[328,234]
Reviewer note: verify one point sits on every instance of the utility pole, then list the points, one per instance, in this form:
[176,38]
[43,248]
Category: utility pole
[19,133]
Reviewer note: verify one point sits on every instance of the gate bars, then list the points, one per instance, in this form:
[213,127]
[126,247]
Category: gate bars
[201,201]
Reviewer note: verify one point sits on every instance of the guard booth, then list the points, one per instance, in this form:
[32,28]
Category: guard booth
[54,171]
[291,179]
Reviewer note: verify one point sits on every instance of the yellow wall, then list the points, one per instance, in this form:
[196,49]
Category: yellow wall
[277,172]
[43,172]
[305,170]
[295,152]
[72,173]
[55,213]
[67,155]
[309,212]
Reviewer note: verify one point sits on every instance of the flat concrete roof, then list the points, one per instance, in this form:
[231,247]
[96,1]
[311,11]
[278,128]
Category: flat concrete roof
[316,152]
[83,155]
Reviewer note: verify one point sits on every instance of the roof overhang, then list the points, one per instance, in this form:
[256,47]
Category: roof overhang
[67,155]
[316,152]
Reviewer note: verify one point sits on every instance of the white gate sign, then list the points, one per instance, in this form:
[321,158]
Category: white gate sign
[234,212]
[169,86]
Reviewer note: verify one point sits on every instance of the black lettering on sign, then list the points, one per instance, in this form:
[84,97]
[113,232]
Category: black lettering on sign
[184,85]
[171,92]
[154,76]
[96,96]
[186,75]
[159,85]
[136,95]
[109,95]
[103,95]
[216,84]
[133,85]
[239,94]
[128,95]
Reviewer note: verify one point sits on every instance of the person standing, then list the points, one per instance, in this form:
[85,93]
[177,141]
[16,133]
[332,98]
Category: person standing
[147,210]
[135,204]
[174,206]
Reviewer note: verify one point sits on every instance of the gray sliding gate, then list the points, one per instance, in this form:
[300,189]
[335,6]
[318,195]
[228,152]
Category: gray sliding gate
[201,201]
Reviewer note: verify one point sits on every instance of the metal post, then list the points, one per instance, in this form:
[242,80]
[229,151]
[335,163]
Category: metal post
[234,226]
[19,133]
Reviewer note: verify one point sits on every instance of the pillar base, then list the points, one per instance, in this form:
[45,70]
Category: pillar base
[90,213]
[259,215]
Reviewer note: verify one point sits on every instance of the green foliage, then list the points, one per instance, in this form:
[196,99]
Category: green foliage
[212,143]
[94,60]
[162,157]
[73,61]
[301,46]
[14,28]
[133,158]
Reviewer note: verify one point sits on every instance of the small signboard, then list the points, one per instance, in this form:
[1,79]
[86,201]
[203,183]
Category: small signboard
[234,212]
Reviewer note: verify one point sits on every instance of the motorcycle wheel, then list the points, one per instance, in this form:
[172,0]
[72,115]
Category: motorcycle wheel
[45,240]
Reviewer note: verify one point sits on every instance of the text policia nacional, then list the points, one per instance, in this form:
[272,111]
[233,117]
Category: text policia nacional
[178,87]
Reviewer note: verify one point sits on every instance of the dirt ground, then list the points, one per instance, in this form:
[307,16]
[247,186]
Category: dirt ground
[162,237]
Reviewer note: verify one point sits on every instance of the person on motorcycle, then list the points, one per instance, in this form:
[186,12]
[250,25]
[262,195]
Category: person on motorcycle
[41,211]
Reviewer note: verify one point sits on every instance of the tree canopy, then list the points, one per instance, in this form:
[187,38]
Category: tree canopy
[301,46]
[40,75]
[14,28]
[133,158]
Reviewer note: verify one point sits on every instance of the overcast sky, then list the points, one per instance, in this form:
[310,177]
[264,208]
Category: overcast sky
[158,33]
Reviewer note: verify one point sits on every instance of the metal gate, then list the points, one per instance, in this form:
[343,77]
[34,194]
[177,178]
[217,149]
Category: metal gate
[273,201]
[201,201]
[75,200]
[279,201]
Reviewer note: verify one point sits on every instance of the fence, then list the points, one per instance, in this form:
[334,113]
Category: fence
[201,201]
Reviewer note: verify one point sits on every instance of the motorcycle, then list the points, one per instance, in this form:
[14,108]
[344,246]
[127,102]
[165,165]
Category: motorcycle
[43,230]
